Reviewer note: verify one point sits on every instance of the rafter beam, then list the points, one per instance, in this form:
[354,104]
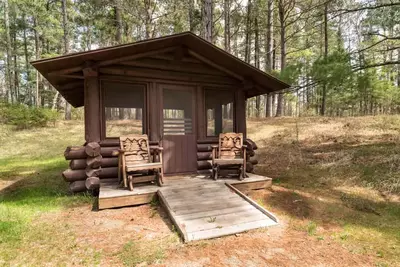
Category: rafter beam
[111,61]
[167,75]
[173,66]
[209,62]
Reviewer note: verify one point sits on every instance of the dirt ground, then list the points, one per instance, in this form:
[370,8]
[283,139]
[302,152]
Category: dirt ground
[108,231]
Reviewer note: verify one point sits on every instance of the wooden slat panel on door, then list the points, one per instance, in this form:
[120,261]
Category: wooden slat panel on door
[180,153]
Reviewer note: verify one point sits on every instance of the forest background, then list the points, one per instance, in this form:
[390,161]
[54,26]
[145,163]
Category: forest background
[340,56]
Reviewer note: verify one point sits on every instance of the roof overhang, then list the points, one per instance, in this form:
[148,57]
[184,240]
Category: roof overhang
[65,72]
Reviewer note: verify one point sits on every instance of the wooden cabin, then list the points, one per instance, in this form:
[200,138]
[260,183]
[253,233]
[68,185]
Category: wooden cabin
[180,90]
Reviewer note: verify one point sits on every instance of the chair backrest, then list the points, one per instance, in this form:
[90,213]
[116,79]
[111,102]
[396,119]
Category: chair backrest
[230,145]
[136,147]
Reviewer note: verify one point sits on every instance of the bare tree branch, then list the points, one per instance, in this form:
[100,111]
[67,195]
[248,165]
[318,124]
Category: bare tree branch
[377,65]
[344,11]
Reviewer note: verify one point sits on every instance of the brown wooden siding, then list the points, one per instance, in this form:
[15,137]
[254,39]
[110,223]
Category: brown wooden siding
[179,154]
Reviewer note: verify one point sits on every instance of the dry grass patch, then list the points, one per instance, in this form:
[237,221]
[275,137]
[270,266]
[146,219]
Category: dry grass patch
[340,179]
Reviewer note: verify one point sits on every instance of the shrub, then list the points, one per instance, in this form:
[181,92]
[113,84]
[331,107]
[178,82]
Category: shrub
[25,117]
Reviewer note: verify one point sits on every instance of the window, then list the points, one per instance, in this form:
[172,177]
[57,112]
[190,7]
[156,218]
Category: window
[124,106]
[177,112]
[219,111]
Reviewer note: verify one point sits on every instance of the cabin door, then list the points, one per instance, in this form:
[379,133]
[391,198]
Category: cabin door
[179,138]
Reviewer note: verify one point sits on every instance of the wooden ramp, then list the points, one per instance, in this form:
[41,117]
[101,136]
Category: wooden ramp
[209,209]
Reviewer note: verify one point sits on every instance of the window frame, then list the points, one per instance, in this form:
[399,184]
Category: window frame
[204,116]
[145,116]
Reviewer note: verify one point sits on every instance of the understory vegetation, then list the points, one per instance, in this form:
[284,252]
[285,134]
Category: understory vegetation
[336,181]
[24,117]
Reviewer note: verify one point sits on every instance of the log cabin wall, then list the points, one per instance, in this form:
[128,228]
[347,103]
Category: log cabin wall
[86,170]
[78,173]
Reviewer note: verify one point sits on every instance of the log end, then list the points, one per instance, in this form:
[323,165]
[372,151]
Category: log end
[77,186]
[92,183]
[92,149]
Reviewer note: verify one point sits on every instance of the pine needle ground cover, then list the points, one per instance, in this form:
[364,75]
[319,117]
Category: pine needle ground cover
[336,192]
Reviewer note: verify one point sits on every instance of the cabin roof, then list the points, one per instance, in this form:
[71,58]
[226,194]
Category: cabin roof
[65,72]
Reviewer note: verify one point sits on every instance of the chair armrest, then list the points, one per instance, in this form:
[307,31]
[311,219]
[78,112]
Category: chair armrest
[158,149]
[118,152]
[244,148]
[214,152]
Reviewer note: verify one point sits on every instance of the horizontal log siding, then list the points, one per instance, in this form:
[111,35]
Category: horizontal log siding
[204,156]
[77,173]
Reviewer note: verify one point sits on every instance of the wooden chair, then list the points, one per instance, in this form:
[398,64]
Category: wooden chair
[231,152]
[134,157]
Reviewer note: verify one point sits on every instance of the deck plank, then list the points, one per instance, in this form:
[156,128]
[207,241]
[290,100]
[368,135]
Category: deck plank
[224,220]
[229,230]
[211,214]
[198,203]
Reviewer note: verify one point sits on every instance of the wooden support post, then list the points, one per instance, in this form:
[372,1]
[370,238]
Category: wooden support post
[240,112]
[92,106]
[154,116]
[218,118]
[202,118]
[93,125]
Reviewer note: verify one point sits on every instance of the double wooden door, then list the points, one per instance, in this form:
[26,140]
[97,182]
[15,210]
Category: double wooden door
[179,129]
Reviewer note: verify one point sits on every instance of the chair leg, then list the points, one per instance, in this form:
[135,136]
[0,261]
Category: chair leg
[242,173]
[159,179]
[216,172]
[124,178]
[130,182]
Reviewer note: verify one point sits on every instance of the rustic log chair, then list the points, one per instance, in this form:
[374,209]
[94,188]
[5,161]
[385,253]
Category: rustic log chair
[134,156]
[231,152]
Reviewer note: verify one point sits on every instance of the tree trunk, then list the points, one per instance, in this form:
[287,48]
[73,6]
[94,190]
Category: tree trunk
[37,57]
[324,86]
[269,54]
[55,101]
[191,15]
[148,18]
[66,49]
[118,23]
[281,12]
[269,41]
[248,34]
[15,55]
[9,73]
[208,20]
[398,68]
[257,52]
[118,40]
[227,31]
[27,68]
[268,105]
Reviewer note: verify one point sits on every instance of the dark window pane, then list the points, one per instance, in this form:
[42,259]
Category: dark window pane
[219,109]
[124,105]
[177,112]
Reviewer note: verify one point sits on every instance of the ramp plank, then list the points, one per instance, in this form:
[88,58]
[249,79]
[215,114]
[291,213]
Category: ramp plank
[209,210]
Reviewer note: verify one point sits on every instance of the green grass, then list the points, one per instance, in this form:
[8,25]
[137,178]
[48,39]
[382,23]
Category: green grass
[31,163]
[137,252]
[311,228]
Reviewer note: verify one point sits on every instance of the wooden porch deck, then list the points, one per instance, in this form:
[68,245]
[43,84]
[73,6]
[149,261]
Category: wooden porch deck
[200,207]
[111,196]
